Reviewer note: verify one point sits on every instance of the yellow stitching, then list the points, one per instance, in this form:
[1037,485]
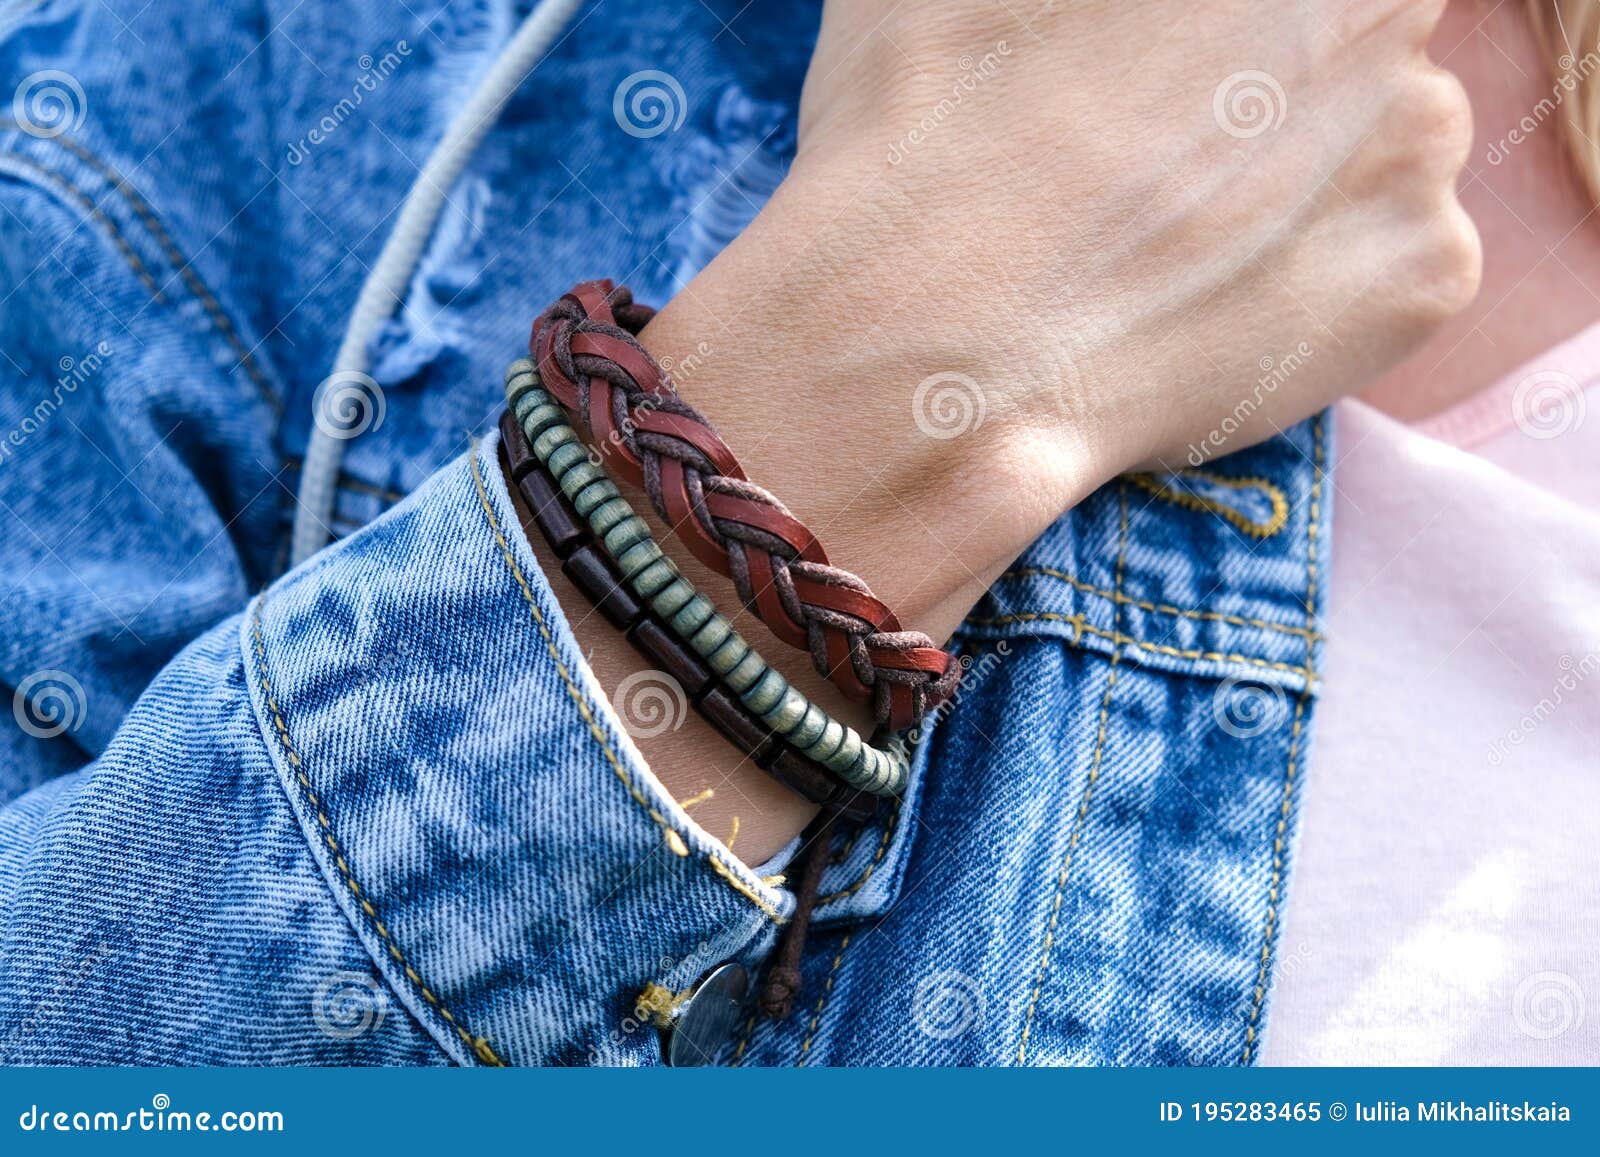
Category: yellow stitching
[1191,501]
[675,842]
[1088,796]
[661,821]
[1277,876]
[877,858]
[83,201]
[659,1004]
[827,990]
[1294,746]
[181,265]
[479,1045]
[744,1041]
[732,835]
[1163,608]
[699,798]
[1083,626]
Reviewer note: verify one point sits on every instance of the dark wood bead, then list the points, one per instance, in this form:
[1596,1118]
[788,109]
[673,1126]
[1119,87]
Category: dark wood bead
[813,781]
[557,522]
[667,652]
[593,573]
[735,723]
[520,457]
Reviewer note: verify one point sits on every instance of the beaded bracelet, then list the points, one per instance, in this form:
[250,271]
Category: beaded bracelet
[596,576]
[656,582]
[592,364]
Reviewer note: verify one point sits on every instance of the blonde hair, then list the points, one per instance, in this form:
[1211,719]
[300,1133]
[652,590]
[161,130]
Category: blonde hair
[1569,33]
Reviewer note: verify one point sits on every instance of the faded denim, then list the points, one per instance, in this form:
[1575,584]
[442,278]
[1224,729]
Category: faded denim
[376,810]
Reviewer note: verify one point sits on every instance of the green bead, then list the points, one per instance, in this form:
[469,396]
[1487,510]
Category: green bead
[694,615]
[638,558]
[765,697]
[564,457]
[626,533]
[671,600]
[609,514]
[593,496]
[808,728]
[712,635]
[728,656]
[649,580]
[548,442]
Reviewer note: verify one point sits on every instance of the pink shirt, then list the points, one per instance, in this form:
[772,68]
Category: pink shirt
[1445,906]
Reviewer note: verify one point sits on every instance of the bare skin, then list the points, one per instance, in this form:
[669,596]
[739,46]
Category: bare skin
[1541,239]
[1105,272]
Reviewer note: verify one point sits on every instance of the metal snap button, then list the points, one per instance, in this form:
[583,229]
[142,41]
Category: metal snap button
[707,1018]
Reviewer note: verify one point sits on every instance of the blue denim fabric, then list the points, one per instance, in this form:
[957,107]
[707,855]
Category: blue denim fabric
[377,810]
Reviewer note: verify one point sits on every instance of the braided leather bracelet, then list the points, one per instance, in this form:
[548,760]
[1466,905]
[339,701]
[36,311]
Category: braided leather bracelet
[656,582]
[591,362]
[593,572]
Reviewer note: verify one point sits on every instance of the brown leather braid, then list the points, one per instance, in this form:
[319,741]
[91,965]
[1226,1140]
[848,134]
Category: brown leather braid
[591,362]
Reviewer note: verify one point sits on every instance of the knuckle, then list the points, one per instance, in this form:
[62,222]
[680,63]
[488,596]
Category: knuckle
[1450,266]
[1440,124]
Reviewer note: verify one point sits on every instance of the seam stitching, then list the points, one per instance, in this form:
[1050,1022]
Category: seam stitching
[1279,846]
[66,186]
[479,1045]
[183,266]
[822,1001]
[1190,501]
[1083,627]
[877,858]
[1082,815]
[668,829]
[1163,608]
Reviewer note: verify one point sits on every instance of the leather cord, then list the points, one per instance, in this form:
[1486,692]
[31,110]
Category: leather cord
[590,360]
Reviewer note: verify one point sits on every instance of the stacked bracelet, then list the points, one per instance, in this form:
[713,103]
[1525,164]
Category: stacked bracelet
[645,580]
[592,364]
[594,573]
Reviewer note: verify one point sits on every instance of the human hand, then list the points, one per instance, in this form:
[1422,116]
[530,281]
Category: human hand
[1114,218]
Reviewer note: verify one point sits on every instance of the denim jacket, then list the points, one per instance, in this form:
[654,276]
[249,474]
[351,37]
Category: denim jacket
[377,809]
